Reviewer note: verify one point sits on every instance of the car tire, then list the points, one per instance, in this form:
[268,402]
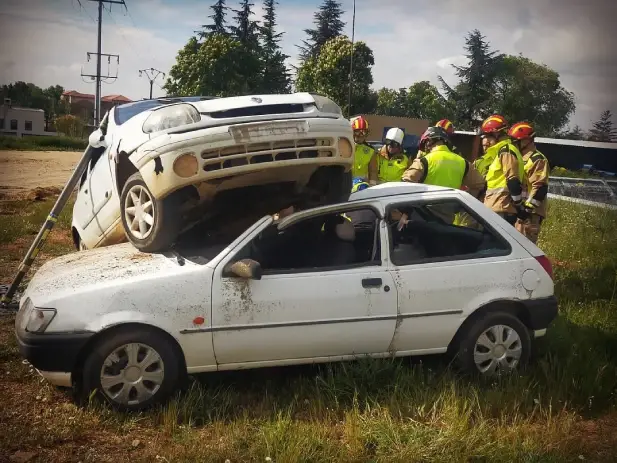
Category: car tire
[164,215]
[114,370]
[496,342]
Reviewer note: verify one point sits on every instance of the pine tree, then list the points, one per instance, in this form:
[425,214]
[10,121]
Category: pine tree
[603,129]
[218,20]
[246,31]
[276,78]
[328,25]
[472,96]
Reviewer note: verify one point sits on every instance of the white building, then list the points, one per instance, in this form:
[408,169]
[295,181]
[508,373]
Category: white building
[21,122]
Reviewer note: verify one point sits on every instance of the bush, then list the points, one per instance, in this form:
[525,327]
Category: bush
[563,172]
[43,143]
[71,126]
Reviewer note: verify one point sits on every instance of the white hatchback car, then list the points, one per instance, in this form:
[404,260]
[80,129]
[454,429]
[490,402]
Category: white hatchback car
[333,283]
[162,165]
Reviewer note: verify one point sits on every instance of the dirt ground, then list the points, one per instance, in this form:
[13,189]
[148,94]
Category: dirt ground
[22,171]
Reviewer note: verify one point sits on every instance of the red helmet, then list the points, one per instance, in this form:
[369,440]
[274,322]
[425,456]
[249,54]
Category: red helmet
[447,125]
[521,131]
[494,124]
[359,123]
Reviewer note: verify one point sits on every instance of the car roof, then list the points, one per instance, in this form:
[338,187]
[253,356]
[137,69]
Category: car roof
[394,189]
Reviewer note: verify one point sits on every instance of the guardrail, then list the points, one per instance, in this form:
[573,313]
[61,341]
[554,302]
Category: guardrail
[590,191]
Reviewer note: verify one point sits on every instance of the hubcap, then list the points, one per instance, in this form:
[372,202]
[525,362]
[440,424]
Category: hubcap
[497,348]
[132,374]
[139,212]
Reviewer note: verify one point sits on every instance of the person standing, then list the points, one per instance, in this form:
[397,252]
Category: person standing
[392,161]
[365,156]
[506,182]
[537,170]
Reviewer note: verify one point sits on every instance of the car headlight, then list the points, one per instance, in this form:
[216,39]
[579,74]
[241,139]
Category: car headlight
[39,319]
[168,117]
[326,105]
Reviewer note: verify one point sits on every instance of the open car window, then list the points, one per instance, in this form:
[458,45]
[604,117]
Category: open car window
[331,241]
[442,230]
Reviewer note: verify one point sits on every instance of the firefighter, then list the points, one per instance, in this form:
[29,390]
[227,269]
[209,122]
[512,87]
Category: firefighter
[365,156]
[503,163]
[447,125]
[392,161]
[537,170]
[441,167]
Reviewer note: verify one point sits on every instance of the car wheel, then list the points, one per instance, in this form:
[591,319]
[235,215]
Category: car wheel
[132,370]
[150,225]
[495,343]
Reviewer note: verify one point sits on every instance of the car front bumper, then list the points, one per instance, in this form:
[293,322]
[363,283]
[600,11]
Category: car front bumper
[541,313]
[233,151]
[53,355]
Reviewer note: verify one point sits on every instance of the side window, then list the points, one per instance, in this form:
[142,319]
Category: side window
[13,124]
[440,231]
[330,241]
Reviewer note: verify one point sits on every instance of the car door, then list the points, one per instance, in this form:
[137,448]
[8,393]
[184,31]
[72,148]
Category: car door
[103,197]
[301,315]
[444,271]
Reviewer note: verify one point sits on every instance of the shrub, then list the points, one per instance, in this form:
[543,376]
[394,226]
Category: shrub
[43,143]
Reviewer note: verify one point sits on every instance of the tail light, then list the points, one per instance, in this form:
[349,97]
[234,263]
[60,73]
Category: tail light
[546,265]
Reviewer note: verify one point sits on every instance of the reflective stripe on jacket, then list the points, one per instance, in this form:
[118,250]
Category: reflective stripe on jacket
[444,168]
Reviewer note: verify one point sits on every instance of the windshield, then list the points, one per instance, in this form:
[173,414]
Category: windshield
[126,111]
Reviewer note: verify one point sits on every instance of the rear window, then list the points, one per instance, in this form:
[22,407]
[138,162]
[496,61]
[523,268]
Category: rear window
[126,111]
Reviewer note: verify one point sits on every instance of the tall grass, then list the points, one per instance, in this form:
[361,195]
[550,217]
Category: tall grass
[43,143]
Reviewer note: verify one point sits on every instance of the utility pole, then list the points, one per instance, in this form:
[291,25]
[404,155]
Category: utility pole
[98,76]
[152,77]
[353,30]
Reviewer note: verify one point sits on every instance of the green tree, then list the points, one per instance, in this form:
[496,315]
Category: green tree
[328,25]
[421,100]
[210,68]
[218,25]
[603,129]
[246,32]
[524,90]
[574,134]
[276,78]
[471,98]
[328,73]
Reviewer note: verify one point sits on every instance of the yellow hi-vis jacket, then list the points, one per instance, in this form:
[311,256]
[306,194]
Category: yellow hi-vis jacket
[498,196]
[445,168]
[362,158]
[391,170]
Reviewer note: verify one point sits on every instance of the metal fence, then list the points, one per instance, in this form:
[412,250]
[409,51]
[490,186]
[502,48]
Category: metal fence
[597,192]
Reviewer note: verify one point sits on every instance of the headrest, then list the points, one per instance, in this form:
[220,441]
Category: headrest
[345,231]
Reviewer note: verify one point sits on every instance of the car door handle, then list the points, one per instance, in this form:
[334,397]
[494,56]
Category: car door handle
[371,282]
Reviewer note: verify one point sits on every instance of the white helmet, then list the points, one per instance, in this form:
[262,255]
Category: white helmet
[396,135]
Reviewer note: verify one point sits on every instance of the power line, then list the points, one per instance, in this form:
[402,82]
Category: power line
[152,77]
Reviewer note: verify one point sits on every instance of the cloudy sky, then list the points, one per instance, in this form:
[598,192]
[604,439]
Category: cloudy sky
[45,41]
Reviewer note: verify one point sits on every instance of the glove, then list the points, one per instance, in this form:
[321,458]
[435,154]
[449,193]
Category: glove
[524,210]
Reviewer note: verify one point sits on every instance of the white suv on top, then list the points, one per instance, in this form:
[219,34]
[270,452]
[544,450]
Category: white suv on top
[161,165]
[327,284]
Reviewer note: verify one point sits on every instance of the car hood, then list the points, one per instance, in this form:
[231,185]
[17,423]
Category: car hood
[235,102]
[98,268]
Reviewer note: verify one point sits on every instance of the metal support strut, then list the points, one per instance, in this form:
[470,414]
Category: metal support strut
[39,241]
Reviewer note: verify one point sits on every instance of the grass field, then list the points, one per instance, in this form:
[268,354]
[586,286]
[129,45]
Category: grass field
[43,143]
[564,408]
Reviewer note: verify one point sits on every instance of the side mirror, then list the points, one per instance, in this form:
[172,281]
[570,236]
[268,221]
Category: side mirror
[97,139]
[248,269]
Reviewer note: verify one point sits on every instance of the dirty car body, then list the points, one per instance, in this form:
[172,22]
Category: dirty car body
[168,163]
[131,325]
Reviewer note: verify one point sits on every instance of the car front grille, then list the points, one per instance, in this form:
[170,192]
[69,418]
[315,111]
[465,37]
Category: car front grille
[257,153]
